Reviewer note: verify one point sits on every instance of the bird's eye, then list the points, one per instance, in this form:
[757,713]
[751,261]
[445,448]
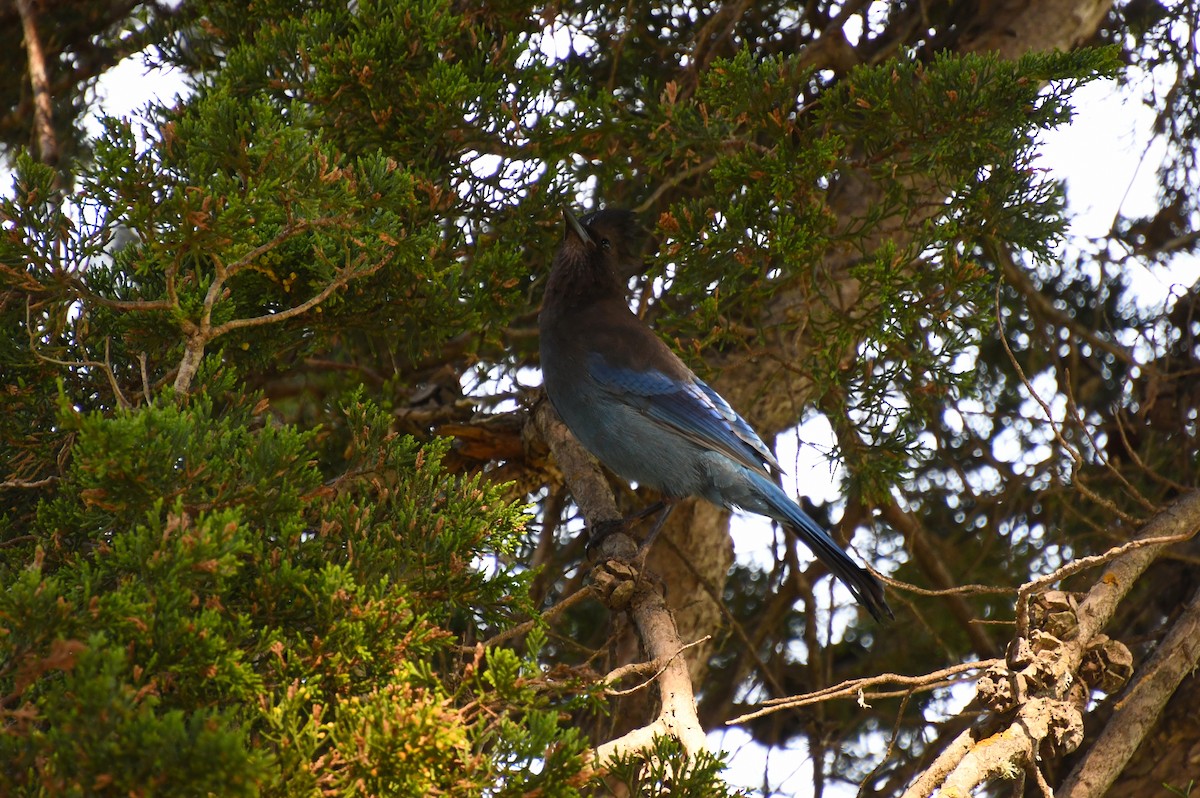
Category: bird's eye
[604,244]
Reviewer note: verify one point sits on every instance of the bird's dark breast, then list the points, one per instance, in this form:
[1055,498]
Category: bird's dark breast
[579,281]
[611,329]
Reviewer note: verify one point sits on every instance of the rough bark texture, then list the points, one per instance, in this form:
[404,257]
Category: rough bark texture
[1171,754]
[1138,710]
[698,564]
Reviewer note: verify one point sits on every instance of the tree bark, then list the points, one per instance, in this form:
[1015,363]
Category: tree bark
[1170,755]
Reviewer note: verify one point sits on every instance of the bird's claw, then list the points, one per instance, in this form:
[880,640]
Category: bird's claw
[609,540]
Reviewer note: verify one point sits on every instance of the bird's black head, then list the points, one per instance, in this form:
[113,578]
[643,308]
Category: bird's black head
[598,252]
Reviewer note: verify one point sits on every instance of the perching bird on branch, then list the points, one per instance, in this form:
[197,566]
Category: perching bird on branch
[643,413]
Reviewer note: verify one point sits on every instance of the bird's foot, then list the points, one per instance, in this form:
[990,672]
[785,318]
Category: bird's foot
[604,541]
[609,540]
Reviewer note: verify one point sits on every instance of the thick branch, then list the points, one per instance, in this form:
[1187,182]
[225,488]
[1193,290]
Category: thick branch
[581,472]
[677,715]
[1179,521]
[1005,753]
[642,595]
[1137,713]
[43,118]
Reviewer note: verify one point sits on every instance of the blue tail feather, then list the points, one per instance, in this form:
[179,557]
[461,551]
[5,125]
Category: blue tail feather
[865,587]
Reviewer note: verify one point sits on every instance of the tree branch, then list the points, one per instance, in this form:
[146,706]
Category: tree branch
[931,563]
[43,117]
[581,472]
[547,616]
[677,713]
[1136,714]
[654,667]
[1052,712]
[853,688]
[200,336]
[624,588]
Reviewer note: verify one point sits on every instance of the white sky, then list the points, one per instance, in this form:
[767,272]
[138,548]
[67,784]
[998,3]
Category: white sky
[1099,155]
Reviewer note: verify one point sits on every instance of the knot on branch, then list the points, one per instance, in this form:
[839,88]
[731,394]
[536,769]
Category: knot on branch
[1055,612]
[1036,681]
[1043,686]
[1057,725]
[1066,729]
[615,583]
[619,584]
[1107,664]
[1029,670]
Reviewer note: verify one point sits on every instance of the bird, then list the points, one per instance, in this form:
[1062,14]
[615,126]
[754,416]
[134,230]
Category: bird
[637,407]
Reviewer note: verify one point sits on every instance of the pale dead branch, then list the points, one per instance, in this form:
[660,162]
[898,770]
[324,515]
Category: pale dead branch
[622,588]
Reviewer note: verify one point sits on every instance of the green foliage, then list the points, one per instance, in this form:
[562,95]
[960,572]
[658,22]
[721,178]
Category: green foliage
[664,770]
[200,612]
[963,127]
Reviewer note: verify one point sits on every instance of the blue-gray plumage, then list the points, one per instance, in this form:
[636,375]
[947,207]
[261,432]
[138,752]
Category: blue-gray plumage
[643,413]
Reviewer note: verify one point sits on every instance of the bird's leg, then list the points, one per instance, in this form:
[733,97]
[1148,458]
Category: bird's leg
[602,530]
[645,511]
[667,506]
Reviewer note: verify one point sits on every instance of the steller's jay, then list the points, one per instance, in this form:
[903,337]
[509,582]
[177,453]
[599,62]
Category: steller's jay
[635,405]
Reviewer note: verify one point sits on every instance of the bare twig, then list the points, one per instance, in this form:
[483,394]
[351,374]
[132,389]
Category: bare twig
[112,378]
[547,616]
[146,391]
[1021,282]
[961,590]
[675,180]
[104,366]
[1131,452]
[1073,409]
[142,305]
[891,746]
[28,483]
[654,667]
[1027,590]
[199,336]
[931,563]
[283,315]
[853,688]
[1040,780]
[1076,457]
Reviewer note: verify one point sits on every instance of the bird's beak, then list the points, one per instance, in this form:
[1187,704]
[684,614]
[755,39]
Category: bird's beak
[574,225]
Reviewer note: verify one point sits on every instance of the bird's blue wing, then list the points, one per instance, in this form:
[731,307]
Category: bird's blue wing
[690,407]
[740,427]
